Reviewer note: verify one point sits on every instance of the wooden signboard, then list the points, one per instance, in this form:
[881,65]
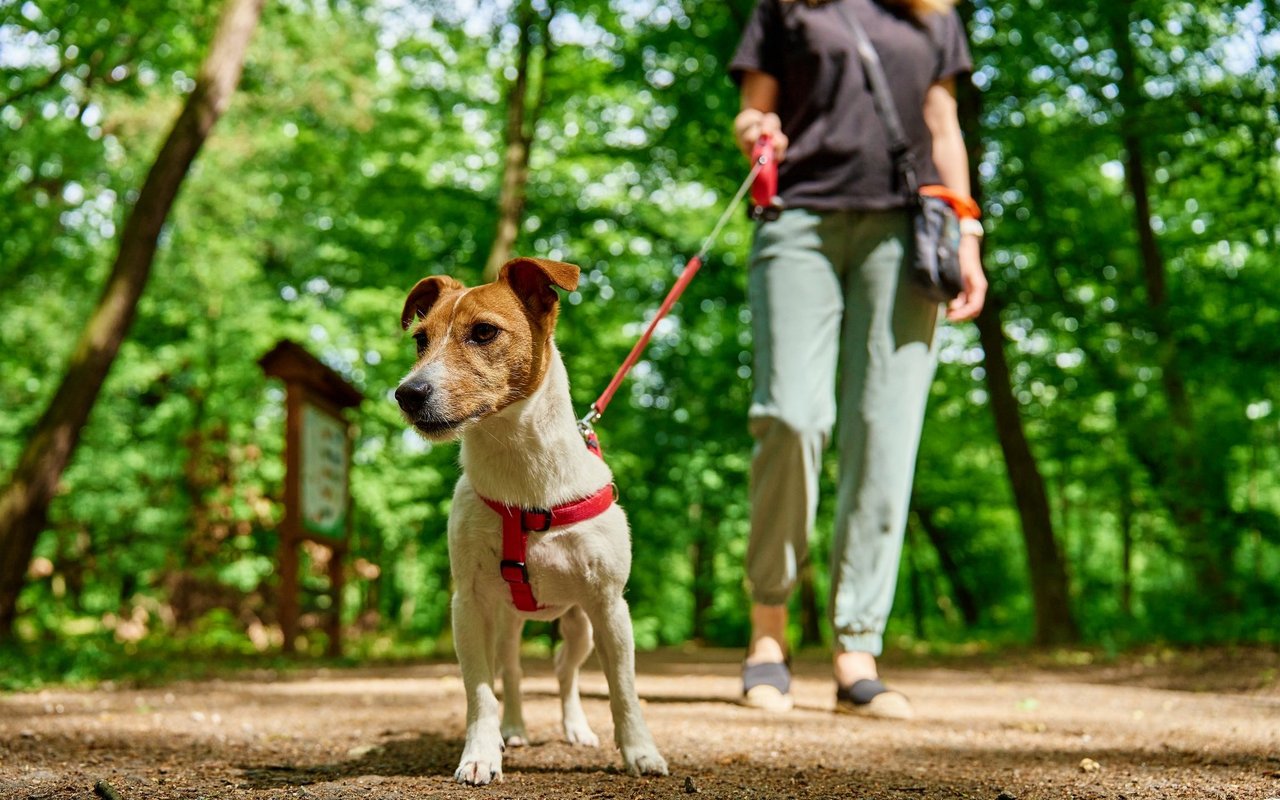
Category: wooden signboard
[317,495]
[325,458]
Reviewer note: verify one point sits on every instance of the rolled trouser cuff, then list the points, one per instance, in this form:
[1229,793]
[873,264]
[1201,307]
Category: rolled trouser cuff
[770,597]
[865,642]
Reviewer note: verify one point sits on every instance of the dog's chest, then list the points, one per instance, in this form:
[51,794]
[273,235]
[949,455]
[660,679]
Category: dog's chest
[565,565]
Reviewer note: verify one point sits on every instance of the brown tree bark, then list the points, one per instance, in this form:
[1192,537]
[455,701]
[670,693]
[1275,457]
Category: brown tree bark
[1055,622]
[810,613]
[702,558]
[25,501]
[522,119]
[1194,486]
[915,581]
[937,536]
[1126,541]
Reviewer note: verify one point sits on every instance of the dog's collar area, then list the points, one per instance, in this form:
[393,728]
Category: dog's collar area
[518,523]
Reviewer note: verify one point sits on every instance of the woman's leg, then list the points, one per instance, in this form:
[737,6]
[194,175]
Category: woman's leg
[887,365]
[795,320]
[768,634]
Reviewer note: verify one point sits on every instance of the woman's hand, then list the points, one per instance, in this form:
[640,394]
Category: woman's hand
[753,123]
[952,161]
[759,99]
[968,304]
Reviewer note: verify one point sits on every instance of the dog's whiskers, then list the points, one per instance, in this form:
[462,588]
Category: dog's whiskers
[491,435]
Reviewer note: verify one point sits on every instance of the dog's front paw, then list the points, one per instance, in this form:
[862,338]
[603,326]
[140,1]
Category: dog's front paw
[644,760]
[578,732]
[480,770]
[481,761]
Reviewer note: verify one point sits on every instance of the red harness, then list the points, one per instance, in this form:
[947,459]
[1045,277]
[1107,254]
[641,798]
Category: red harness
[518,523]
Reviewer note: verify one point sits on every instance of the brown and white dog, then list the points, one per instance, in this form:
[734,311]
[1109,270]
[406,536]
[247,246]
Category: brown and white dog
[488,373]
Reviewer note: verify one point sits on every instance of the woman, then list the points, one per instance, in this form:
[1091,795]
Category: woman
[829,297]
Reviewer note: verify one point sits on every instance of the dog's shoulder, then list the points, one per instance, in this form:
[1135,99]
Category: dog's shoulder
[467,510]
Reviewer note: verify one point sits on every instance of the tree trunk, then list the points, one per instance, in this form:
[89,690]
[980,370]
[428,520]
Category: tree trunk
[1055,622]
[1126,542]
[960,590]
[913,576]
[1195,490]
[25,502]
[810,614]
[702,559]
[521,121]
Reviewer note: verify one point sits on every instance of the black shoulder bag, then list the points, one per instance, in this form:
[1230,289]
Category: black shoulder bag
[933,251]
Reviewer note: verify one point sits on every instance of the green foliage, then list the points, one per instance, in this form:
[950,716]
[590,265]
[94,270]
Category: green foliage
[364,150]
[1097,359]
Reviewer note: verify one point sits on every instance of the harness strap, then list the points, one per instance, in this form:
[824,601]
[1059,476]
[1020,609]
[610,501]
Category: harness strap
[518,523]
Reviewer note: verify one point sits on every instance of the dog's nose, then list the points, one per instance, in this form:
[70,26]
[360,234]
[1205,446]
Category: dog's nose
[412,397]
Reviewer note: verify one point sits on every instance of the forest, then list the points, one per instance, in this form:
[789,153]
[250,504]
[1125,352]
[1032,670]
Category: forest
[1099,462]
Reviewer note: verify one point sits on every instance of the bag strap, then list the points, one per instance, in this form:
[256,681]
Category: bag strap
[899,145]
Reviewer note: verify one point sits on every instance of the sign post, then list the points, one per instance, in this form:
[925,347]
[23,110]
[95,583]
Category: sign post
[317,493]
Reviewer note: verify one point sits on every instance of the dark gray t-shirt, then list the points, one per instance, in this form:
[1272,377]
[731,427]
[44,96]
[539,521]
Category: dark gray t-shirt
[838,157]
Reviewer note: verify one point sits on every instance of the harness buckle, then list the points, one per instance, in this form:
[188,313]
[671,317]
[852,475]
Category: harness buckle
[514,571]
[524,519]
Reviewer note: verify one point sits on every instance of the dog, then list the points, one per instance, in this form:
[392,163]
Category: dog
[533,532]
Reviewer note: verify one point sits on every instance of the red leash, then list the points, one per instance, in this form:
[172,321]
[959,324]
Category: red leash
[763,182]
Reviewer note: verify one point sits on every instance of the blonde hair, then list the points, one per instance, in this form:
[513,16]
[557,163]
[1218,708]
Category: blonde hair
[919,8]
[922,7]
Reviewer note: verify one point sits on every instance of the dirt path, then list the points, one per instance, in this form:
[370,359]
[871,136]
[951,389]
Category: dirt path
[986,732]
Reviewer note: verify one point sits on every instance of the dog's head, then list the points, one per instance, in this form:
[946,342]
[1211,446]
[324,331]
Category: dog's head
[479,349]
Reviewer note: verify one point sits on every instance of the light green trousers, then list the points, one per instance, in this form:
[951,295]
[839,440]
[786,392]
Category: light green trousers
[829,297]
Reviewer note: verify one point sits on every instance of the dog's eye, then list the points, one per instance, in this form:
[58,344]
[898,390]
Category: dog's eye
[483,332]
[421,339]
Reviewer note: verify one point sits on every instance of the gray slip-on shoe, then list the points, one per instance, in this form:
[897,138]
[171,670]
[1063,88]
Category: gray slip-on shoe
[767,686]
[871,698]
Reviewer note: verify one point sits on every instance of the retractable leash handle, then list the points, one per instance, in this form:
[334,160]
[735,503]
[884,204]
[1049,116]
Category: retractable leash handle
[765,203]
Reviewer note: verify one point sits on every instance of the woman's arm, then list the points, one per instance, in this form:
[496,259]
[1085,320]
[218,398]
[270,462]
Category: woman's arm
[759,102]
[952,161]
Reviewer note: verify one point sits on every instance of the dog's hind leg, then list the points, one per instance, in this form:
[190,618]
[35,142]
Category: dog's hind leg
[473,639]
[615,641]
[509,630]
[576,630]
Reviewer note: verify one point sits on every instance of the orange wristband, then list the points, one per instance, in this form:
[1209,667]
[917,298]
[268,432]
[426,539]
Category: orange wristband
[965,207]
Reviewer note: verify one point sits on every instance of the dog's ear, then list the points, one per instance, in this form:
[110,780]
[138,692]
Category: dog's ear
[531,280]
[424,295]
